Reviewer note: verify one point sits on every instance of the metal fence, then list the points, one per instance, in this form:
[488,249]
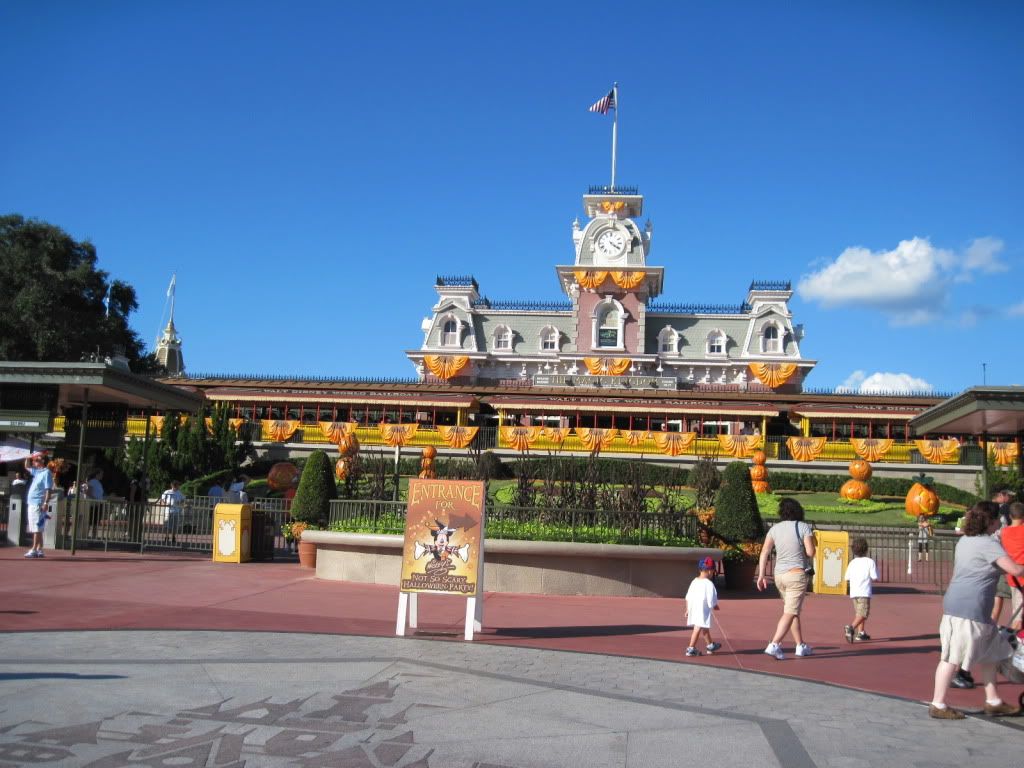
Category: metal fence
[152,525]
[896,552]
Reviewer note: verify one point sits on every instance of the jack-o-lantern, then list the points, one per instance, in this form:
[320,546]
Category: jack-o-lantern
[427,463]
[282,476]
[759,472]
[855,490]
[922,499]
[860,470]
[341,468]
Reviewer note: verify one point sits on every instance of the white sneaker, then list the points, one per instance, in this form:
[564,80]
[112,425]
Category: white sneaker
[803,650]
[30,553]
[774,649]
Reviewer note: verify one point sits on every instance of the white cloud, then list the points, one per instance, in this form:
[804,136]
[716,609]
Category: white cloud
[881,382]
[1016,310]
[983,255]
[910,282]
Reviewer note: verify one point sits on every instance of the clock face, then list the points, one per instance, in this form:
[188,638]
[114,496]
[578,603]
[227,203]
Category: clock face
[611,243]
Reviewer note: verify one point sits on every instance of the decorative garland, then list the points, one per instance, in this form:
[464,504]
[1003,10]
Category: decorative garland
[445,366]
[773,374]
[871,448]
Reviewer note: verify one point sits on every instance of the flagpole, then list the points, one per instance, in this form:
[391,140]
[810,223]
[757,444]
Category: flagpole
[615,130]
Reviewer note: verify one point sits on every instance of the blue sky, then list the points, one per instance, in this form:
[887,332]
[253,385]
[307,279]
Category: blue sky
[308,168]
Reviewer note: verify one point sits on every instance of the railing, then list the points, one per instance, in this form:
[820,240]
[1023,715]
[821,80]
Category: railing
[152,525]
[840,450]
[534,523]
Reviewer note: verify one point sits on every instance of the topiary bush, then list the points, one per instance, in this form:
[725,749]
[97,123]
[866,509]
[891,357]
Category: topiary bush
[312,502]
[737,516]
[705,479]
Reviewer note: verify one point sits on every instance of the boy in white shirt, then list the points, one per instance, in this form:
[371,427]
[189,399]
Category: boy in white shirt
[860,573]
[701,599]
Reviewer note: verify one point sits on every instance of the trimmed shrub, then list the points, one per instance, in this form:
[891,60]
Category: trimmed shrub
[737,517]
[312,502]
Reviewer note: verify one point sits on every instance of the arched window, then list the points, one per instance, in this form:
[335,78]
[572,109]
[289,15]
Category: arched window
[450,333]
[608,327]
[716,343]
[502,338]
[549,339]
[668,341]
[770,339]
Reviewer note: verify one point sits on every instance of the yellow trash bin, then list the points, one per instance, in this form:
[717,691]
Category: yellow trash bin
[830,559]
[232,533]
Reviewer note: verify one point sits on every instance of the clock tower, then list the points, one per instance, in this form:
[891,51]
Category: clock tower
[610,282]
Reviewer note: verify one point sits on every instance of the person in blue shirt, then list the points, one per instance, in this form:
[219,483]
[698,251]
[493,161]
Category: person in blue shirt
[39,491]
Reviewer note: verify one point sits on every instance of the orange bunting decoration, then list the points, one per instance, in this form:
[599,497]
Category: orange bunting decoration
[157,422]
[445,366]
[519,438]
[939,451]
[773,374]
[236,424]
[397,435]
[279,431]
[555,434]
[458,437]
[209,425]
[628,280]
[602,366]
[871,448]
[596,440]
[805,448]
[590,278]
[336,431]
[635,436]
[1005,453]
[611,206]
[739,446]
[674,443]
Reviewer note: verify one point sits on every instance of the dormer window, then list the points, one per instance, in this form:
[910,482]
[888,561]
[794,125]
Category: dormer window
[770,339]
[716,343]
[668,341]
[450,333]
[502,338]
[549,339]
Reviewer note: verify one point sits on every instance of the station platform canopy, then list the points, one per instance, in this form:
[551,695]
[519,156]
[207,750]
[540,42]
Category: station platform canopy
[992,411]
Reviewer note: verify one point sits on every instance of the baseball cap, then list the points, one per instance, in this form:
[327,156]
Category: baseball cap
[705,564]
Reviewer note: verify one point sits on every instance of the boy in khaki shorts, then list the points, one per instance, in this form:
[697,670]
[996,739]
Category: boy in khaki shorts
[860,573]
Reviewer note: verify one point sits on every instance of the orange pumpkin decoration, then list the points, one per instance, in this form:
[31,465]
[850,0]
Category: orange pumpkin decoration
[760,486]
[282,475]
[349,445]
[759,472]
[341,468]
[860,470]
[758,457]
[429,452]
[922,500]
[855,490]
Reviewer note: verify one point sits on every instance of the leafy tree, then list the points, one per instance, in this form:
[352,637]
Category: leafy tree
[53,298]
[737,517]
[312,502]
[705,479]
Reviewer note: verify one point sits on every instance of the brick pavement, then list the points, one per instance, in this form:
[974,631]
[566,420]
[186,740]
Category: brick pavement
[626,660]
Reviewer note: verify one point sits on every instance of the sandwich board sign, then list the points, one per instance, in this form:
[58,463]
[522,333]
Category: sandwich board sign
[443,548]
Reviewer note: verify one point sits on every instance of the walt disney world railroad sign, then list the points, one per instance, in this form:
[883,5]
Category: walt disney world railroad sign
[443,551]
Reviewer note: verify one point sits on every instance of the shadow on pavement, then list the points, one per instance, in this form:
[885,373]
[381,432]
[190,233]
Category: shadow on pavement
[600,630]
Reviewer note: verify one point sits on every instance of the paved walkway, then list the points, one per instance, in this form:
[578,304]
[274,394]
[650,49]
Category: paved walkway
[348,693]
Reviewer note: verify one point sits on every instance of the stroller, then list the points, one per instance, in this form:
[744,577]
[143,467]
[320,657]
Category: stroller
[1012,667]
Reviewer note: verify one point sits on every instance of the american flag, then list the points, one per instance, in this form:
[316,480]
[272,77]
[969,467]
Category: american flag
[603,104]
